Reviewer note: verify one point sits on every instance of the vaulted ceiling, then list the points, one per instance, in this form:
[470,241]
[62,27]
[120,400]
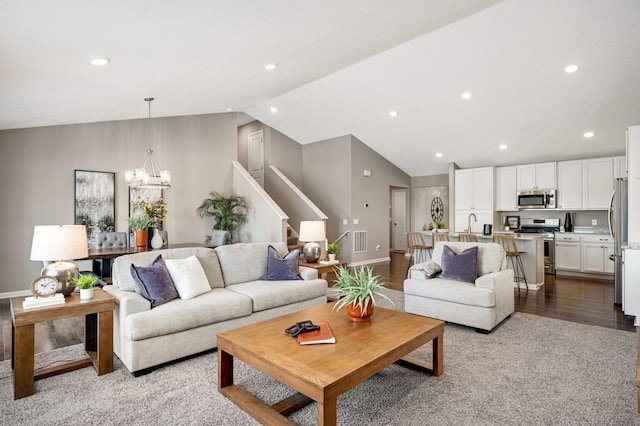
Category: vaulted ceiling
[342,67]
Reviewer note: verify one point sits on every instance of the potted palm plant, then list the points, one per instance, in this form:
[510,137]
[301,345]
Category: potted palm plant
[227,213]
[357,292]
[140,222]
[85,283]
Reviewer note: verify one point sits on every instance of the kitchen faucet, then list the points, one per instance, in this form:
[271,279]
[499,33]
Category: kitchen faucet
[475,219]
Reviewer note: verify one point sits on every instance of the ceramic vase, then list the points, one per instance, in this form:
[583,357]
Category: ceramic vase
[86,293]
[568,226]
[332,257]
[141,239]
[356,315]
[156,241]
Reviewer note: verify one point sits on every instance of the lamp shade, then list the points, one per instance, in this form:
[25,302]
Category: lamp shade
[312,230]
[59,242]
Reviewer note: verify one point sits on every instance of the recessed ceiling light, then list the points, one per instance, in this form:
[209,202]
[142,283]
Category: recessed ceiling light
[438,154]
[502,146]
[589,134]
[466,95]
[571,68]
[274,109]
[393,113]
[99,61]
[270,67]
[229,109]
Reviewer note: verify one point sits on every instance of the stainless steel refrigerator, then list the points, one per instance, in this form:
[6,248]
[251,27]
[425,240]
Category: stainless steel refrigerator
[618,226]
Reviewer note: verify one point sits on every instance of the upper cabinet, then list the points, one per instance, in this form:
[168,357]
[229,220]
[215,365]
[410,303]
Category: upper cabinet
[620,167]
[597,183]
[534,176]
[506,189]
[570,185]
[474,189]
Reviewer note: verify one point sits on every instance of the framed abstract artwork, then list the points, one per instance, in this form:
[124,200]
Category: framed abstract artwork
[94,201]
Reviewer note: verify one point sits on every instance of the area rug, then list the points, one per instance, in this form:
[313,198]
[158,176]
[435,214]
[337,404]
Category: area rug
[531,370]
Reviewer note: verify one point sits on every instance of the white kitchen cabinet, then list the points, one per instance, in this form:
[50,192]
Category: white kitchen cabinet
[568,252]
[631,283]
[597,183]
[595,253]
[633,167]
[473,194]
[506,189]
[533,176]
[570,185]
[620,167]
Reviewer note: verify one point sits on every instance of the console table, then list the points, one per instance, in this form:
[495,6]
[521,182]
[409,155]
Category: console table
[98,341]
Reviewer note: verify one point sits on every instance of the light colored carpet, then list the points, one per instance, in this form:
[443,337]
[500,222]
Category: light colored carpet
[531,370]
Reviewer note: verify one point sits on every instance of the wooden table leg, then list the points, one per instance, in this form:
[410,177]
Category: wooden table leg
[105,342]
[328,412]
[225,369]
[438,355]
[22,360]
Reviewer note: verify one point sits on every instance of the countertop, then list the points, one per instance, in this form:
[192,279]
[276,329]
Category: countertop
[480,235]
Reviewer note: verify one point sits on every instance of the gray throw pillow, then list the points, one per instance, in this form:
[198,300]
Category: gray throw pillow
[279,269]
[460,267]
[155,282]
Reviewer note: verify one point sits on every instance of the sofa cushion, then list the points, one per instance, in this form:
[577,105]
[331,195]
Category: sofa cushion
[208,259]
[451,291]
[245,262]
[188,277]
[272,294]
[460,267]
[491,257]
[178,315]
[285,268]
[155,282]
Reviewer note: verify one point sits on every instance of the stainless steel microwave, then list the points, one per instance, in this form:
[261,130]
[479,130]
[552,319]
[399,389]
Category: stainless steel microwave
[537,199]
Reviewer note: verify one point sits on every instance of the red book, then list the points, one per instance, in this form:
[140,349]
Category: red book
[324,335]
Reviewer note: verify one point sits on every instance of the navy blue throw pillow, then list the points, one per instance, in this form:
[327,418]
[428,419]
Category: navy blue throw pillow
[155,282]
[460,267]
[280,269]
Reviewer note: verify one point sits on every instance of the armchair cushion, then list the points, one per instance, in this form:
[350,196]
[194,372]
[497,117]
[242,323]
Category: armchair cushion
[155,282]
[460,267]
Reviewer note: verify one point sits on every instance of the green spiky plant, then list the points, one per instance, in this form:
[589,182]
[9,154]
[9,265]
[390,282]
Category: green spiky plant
[226,212]
[139,221]
[85,281]
[332,248]
[360,288]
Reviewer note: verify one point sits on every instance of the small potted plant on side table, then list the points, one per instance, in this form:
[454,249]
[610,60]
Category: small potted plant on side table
[85,283]
[140,222]
[357,292]
[332,250]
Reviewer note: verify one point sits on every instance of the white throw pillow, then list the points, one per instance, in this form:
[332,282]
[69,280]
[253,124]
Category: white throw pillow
[188,277]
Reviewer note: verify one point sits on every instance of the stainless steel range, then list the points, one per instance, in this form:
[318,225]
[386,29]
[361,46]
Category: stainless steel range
[546,228]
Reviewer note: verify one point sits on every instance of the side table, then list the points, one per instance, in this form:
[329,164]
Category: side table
[98,343]
[322,269]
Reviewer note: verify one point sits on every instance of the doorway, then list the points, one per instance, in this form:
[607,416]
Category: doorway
[256,156]
[398,222]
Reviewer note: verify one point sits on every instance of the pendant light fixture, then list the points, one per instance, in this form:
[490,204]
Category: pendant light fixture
[149,175]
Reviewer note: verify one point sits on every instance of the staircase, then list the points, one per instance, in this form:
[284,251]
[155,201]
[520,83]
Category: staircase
[292,238]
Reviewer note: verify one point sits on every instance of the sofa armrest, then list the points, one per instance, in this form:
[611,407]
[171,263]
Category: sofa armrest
[497,281]
[308,274]
[129,302]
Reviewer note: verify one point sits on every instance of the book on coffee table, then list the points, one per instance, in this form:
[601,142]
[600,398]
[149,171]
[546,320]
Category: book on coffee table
[324,335]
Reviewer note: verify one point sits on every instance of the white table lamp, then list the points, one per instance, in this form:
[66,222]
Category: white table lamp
[312,231]
[58,243]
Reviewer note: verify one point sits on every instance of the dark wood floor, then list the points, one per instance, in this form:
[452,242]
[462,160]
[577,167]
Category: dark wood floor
[571,299]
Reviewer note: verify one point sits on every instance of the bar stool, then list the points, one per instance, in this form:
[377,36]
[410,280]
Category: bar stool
[439,236]
[467,238]
[508,243]
[419,249]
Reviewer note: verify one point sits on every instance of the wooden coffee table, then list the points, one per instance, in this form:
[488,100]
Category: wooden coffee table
[322,372]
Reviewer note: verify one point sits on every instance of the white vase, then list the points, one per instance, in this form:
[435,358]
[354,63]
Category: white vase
[332,257]
[156,241]
[86,293]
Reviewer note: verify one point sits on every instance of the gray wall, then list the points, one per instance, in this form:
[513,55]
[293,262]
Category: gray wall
[37,166]
[333,179]
[422,213]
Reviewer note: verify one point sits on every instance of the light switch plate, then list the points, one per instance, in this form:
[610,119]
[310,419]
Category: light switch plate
[345,221]
[355,221]
[594,222]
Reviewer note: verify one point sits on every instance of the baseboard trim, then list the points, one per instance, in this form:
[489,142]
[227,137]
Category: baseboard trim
[10,294]
[370,261]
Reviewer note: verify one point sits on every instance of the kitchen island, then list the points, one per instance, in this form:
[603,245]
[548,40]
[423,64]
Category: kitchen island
[532,259]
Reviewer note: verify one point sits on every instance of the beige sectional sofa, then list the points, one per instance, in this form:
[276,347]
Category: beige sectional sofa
[146,337]
[482,305]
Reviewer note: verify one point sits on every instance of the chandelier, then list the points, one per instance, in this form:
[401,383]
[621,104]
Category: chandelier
[149,175]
